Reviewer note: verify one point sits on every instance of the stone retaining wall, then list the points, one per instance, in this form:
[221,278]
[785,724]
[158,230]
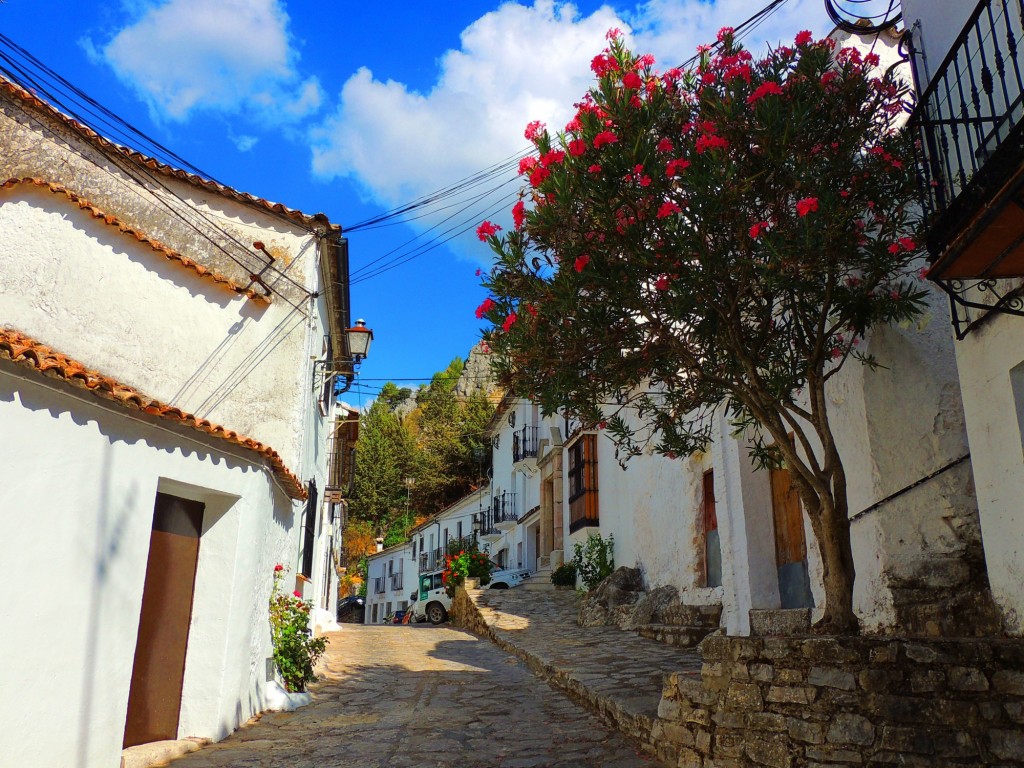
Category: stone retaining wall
[848,701]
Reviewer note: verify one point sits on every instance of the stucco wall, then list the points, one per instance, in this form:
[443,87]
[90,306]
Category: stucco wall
[990,360]
[87,290]
[935,25]
[77,510]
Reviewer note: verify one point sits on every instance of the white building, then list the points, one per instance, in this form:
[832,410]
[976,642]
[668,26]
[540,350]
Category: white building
[158,334]
[968,72]
[390,579]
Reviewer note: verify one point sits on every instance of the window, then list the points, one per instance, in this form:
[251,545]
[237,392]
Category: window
[712,543]
[459,529]
[414,549]
[309,537]
[327,390]
[583,483]
[373,617]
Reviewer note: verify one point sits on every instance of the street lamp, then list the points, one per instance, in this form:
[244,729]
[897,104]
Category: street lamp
[359,338]
[409,483]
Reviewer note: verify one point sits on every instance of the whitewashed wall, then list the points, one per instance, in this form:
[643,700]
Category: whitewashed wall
[91,292]
[991,365]
[80,479]
[401,560]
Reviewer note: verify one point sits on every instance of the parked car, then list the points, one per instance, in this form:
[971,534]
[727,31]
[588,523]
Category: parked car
[431,603]
[508,578]
[397,617]
[351,610]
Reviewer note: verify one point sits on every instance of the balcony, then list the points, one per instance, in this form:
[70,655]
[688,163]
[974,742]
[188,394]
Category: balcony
[524,444]
[341,463]
[504,511]
[378,585]
[969,131]
[462,544]
[431,561]
[396,582]
[488,532]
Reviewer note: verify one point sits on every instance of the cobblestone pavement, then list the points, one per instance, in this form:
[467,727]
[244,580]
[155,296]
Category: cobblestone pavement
[615,672]
[423,697]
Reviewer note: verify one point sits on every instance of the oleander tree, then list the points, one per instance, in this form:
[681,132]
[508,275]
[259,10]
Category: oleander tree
[713,240]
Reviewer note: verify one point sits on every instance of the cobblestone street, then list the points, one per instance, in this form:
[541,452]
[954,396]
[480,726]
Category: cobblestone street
[423,697]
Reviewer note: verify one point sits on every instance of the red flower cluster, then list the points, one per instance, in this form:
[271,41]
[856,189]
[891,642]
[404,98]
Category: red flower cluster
[519,214]
[758,228]
[510,320]
[667,209]
[710,141]
[675,167]
[604,137]
[765,89]
[487,305]
[581,262]
[807,205]
[577,147]
[534,130]
[278,568]
[487,229]
[632,80]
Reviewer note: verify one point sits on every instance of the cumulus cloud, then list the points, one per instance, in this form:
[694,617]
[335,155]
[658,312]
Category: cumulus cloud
[187,55]
[515,64]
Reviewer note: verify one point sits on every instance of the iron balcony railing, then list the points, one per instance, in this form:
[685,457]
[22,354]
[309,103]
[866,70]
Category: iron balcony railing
[378,585]
[504,508]
[524,444]
[967,123]
[396,581]
[486,523]
[431,561]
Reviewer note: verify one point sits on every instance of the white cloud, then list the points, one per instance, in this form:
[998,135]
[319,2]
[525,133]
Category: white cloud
[186,55]
[244,142]
[516,64]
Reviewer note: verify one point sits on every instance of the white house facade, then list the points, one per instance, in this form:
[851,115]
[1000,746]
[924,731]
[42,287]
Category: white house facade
[390,579]
[157,342]
[969,74]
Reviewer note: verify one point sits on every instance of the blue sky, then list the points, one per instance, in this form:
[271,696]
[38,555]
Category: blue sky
[353,108]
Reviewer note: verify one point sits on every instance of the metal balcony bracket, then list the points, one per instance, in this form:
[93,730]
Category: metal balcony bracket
[1009,303]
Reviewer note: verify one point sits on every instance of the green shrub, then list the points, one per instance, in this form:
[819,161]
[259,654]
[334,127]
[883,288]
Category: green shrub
[564,575]
[594,560]
[296,651]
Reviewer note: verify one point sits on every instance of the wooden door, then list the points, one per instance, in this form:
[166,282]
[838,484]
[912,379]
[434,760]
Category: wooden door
[154,700]
[790,543]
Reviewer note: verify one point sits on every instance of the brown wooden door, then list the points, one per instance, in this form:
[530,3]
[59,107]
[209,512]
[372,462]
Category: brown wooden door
[790,543]
[154,700]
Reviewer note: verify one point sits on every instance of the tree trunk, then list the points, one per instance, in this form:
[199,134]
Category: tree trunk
[831,526]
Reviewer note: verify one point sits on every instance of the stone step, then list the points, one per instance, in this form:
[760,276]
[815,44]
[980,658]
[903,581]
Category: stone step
[675,635]
[538,582]
[784,622]
[682,615]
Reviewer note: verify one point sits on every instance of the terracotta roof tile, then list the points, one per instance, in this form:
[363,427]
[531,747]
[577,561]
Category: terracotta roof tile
[29,353]
[158,247]
[316,220]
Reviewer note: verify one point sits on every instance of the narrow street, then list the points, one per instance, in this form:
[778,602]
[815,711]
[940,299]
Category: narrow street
[423,696]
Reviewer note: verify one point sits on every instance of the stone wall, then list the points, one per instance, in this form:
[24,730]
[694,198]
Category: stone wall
[793,702]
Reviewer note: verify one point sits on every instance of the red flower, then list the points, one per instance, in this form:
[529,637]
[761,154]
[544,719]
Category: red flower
[487,229]
[534,129]
[487,305]
[894,248]
[807,205]
[803,38]
[278,568]
[297,594]
[581,262]
[538,175]
[526,165]
[661,283]
[710,141]
[518,214]
[765,89]
[602,424]
[601,64]
[577,147]
[595,168]
[604,137]
[509,321]
[758,228]
[908,243]
[632,80]
[532,310]
[675,167]
[667,209]
[665,145]
[553,157]
[725,32]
